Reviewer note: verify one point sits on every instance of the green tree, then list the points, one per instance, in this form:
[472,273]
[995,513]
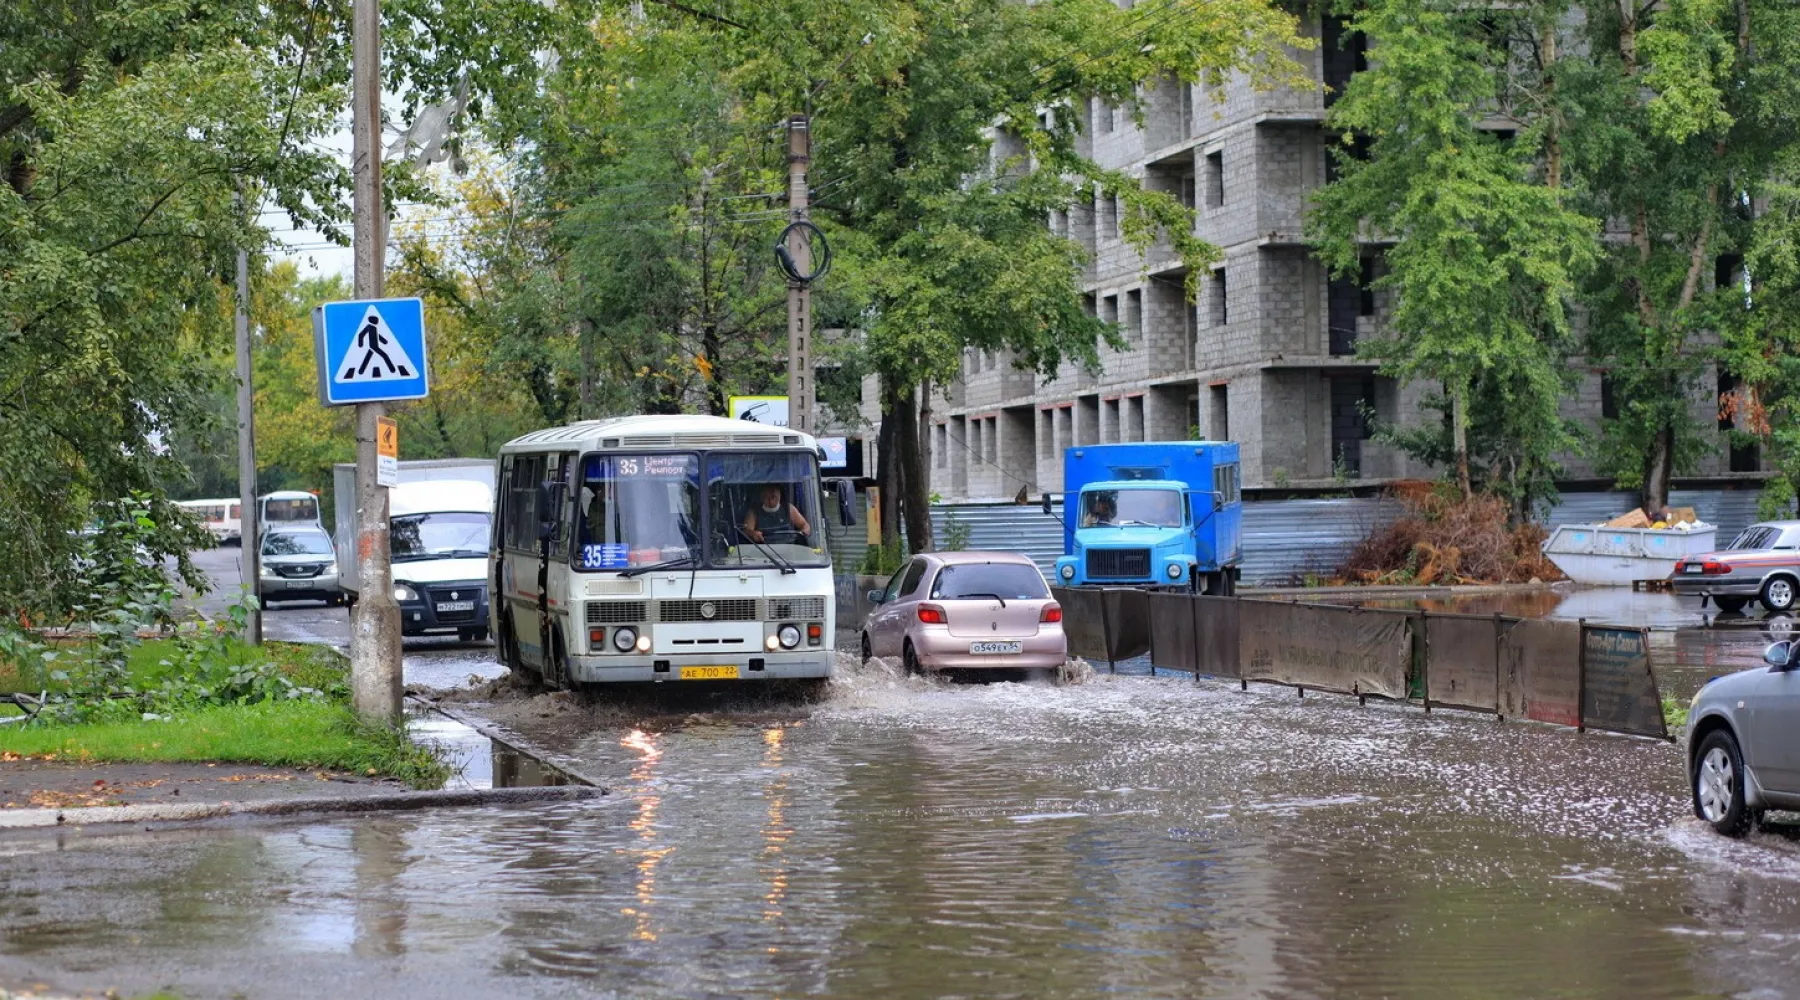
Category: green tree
[1484,248]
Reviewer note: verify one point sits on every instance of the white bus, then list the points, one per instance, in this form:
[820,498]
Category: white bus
[222,517]
[289,509]
[657,548]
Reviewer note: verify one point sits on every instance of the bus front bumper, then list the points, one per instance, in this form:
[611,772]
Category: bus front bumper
[768,667]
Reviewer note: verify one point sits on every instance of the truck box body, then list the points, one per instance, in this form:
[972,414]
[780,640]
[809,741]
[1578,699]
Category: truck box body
[1152,513]
[475,470]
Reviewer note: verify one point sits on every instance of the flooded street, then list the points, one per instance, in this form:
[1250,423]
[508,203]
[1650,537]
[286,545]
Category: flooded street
[1130,836]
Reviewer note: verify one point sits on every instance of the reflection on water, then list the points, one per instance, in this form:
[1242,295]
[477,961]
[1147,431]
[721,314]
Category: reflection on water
[1132,836]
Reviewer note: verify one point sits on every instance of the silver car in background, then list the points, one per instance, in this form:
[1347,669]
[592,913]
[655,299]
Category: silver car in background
[1761,564]
[1743,743]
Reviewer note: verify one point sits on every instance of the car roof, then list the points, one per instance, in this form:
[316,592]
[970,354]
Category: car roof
[1776,524]
[968,558]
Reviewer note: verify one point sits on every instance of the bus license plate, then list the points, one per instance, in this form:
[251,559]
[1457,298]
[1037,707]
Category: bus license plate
[456,606]
[996,647]
[709,673]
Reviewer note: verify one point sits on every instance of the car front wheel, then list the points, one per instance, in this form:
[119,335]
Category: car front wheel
[1719,785]
[867,653]
[1779,594]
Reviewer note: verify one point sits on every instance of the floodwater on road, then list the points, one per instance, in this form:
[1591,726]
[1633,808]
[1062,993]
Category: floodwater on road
[1128,836]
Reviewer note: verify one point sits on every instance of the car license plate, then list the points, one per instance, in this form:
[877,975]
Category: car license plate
[456,606]
[989,648]
[1694,569]
[709,673]
[299,585]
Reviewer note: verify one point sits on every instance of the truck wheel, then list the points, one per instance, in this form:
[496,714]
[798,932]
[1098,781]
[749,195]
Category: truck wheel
[1216,584]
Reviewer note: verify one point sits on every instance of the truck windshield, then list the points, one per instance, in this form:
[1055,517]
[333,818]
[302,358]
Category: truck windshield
[299,543]
[1152,508]
[639,510]
[438,536]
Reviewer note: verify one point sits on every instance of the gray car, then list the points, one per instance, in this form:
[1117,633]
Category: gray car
[299,564]
[1761,564]
[1743,744]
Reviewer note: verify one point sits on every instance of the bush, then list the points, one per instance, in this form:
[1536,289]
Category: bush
[1444,539]
[883,560]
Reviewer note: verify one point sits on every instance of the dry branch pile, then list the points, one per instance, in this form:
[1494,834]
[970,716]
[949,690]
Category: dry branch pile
[1444,539]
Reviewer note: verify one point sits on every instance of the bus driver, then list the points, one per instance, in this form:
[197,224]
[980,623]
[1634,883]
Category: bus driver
[769,516]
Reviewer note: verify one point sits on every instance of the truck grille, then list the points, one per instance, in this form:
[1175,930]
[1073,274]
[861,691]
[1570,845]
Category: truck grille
[782,609]
[617,612]
[1118,564]
[718,609]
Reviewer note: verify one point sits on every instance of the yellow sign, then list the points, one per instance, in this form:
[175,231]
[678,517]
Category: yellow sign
[387,437]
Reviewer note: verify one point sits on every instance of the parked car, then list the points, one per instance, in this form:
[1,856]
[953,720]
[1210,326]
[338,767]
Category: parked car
[966,610]
[1761,564]
[1743,744]
[298,564]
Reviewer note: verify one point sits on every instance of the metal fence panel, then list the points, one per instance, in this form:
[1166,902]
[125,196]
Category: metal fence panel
[1172,631]
[1462,662]
[1084,621]
[1328,648]
[1216,635]
[1127,623]
[1540,671]
[1618,689]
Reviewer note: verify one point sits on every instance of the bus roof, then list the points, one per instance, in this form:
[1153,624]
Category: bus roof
[656,432]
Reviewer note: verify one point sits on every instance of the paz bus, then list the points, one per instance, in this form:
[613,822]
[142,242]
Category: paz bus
[663,548]
[220,516]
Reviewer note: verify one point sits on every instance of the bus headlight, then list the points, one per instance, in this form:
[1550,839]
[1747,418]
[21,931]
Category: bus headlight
[789,636]
[1068,571]
[624,639]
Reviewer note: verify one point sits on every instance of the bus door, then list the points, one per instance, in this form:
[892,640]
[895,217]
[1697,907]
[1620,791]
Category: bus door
[554,504]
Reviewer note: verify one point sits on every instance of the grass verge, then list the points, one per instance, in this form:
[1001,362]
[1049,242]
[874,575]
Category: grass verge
[277,734]
[1675,715]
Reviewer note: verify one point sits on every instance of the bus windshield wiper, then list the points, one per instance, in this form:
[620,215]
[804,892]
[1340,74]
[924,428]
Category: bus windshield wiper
[665,564]
[774,557]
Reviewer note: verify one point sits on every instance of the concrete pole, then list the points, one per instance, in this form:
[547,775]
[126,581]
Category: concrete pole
[249,523]
[375,618]
[801,394]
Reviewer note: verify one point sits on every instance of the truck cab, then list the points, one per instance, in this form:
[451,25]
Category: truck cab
[1161,514]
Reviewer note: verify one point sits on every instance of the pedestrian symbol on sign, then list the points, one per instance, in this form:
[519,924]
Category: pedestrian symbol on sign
[374,355]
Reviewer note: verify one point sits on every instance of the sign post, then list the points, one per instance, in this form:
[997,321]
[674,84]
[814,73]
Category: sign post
[370,352]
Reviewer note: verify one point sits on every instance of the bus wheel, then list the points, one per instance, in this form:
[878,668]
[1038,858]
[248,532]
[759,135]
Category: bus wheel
[557,676]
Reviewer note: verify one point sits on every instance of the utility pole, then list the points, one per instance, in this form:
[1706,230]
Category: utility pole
[249,521]
[801,394]
[375,619]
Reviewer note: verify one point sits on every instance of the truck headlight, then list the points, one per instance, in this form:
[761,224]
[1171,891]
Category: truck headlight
[404,593]
[1174,571]
[1067,571]
[789,636]
[624,639]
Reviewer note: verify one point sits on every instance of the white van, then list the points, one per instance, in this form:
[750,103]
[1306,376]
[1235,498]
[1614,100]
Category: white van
[438,533]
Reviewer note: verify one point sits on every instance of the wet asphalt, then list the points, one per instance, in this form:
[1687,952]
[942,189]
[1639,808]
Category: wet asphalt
[1124,835]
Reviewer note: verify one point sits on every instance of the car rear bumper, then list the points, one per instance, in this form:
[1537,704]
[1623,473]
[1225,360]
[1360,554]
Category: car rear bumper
[939,650]
[1716,586]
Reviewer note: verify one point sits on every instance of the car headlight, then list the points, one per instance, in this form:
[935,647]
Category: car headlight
[1174,571]
[624,639]
[404,593]
[789,636]
[1067,571]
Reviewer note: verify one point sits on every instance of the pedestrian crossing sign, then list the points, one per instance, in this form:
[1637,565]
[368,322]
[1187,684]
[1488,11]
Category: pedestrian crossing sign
[372,350]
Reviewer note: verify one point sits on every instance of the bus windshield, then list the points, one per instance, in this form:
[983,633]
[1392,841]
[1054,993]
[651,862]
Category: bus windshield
[305,509]
[438,536]
[639,510]
[747,509]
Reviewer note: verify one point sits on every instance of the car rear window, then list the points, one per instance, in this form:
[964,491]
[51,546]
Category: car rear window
[1755,537]
[1009,581]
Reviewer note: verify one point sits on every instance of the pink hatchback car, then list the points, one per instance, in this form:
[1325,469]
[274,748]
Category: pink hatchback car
[967,610]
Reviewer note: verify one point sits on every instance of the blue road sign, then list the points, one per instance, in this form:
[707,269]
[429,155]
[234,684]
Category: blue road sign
[371,350]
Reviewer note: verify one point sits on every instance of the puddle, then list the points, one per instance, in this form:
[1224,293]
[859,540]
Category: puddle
[481,761]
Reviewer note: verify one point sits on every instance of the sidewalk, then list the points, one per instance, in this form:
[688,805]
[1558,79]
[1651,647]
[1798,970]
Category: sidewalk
[66,784]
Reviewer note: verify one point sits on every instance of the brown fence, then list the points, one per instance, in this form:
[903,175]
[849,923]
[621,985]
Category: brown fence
[1567,673]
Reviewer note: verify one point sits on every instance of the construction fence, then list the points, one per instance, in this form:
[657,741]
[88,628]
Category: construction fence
[1589,676]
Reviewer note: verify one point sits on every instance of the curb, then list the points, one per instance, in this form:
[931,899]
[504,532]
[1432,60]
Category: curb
[507,738]
[35,819]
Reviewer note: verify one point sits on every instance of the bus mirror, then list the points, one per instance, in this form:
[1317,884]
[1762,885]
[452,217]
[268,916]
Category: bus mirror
[846,501]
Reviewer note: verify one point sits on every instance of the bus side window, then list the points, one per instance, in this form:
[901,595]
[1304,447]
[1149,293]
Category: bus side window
[503,505]
[562,470]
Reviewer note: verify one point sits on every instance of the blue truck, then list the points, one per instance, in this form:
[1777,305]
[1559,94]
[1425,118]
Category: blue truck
[1160,514]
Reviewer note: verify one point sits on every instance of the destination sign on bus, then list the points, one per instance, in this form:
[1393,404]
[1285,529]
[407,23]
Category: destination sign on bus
[604,467]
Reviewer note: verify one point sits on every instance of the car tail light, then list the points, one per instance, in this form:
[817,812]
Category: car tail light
[1712,568]
[931,614]
[1051,613]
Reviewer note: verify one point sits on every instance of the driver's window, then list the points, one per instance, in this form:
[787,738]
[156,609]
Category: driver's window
[893,585]
[914,575]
